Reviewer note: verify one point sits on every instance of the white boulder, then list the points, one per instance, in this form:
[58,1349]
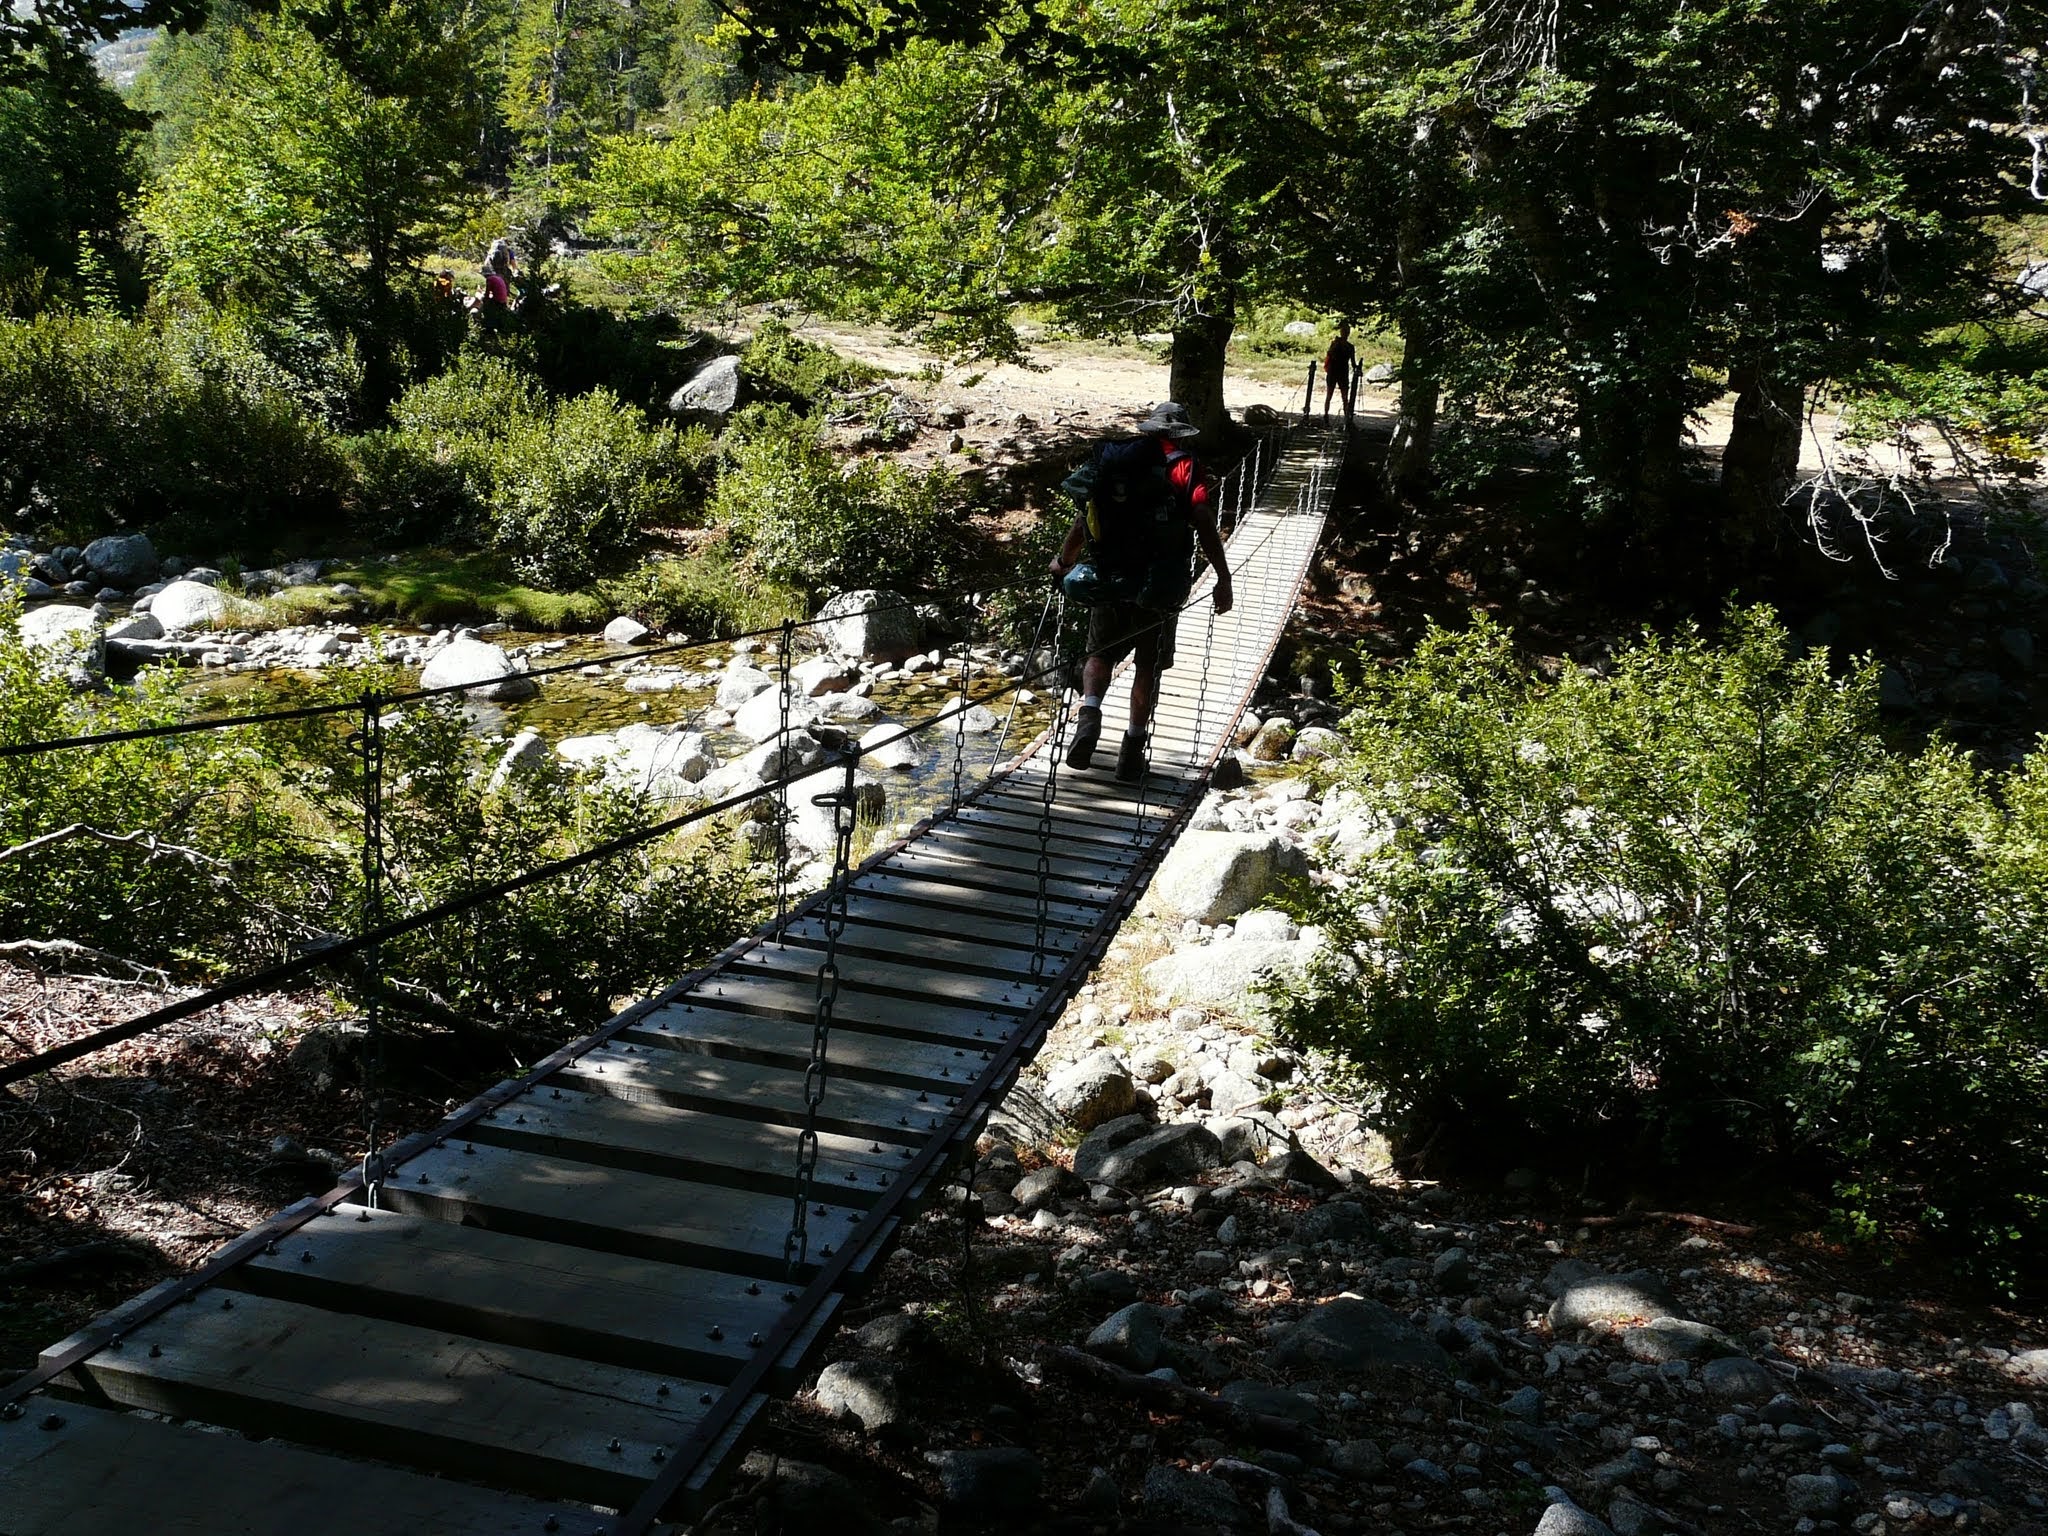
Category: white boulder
[822,675]
[60,628]
[625,631]
[189,605]
[464,662]
[741,683]
[1209,877]
[527,753]
[901,752]
[761,716]
[872,625]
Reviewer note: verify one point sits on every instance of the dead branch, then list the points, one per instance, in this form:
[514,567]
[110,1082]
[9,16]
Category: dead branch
[1169,1397]
[1682,1218]
[71,949]
[77,1259]
[153,845]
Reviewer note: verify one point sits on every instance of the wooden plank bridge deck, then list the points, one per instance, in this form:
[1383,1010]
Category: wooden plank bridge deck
[572,1296]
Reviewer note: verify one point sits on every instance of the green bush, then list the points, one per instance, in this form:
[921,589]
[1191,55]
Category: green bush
[805,520]
[560,951]
[166,852]
[571,487]
[180,424]
[1697,909]
[220,850]
[706,594]
[780,364]
[578,488]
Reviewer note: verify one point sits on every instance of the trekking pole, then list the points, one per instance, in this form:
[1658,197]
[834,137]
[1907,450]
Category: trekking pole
[1030,662]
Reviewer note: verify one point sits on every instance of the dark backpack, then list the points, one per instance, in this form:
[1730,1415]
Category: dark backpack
[1139,539]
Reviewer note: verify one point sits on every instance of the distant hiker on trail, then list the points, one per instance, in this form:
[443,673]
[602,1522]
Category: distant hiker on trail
[1340,371]
[1143,503]
[500,266]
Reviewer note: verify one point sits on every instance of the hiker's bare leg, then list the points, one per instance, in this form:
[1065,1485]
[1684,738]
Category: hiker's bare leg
[1094,678]
[1144,689]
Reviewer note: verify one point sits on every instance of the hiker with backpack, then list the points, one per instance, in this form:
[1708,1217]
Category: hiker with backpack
[1144,504]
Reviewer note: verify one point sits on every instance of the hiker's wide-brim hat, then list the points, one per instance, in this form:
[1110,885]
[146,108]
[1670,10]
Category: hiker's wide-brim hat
[1169,420]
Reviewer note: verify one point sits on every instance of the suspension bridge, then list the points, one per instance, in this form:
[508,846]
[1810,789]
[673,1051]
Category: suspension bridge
[561,1309]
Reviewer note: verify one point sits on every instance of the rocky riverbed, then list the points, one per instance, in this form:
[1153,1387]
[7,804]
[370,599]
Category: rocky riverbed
[1200,1297]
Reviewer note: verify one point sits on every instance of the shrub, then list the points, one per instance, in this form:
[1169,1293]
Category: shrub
[577,489]
[570,486]
[1698,906]
[209,859]
[805,520]
[178,424]
[706,594]
[250,843]
[779,363]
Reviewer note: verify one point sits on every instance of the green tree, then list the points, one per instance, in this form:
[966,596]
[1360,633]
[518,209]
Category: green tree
[68,169]
[333,159]
[1149,165]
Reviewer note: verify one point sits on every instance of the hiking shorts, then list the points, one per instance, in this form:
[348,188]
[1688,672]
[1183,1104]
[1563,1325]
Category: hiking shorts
[1117,630]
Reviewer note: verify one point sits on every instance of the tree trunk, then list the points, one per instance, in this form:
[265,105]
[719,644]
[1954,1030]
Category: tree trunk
[1410,456]
[1762,457]
[1195,378]
[1410,464]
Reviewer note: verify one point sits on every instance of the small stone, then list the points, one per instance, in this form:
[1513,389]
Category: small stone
[1738,1379]
[1361,1459]
[1274,1402]
[1567,1519]
[1131,1337]
[866,1390]
[994,1480]
[1453,1270]
[1189,1498]
[1815,1494]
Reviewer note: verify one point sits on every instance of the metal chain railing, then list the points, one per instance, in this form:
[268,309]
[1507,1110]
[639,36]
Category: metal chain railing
[1055,745]
[782,816]
[370,747]
[796,1247]
[960,721]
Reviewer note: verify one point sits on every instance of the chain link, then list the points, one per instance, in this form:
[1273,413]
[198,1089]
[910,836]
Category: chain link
[371,743]
[797,1246]
[782,816]
[1055,745]
[960,721]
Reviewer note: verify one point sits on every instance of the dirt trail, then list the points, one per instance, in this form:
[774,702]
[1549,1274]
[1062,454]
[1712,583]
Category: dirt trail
[1068,379]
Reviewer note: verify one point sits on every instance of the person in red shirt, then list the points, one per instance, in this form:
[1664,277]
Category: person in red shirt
[499,267]
[1139,503]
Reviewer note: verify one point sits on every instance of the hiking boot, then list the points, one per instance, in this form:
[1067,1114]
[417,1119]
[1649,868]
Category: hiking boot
[1087,731]
[1130,762]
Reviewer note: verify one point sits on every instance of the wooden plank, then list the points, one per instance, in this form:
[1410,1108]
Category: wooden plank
[515,1417]
[938,949]
[610,1210]
[104,1473]
[1012,818]
[1018,885]
[1098,861]
[1007,942]
[1022,858]
[687,1321]
[885,895]
[1020,797]
[792,993]
[914,1057]
[687,1144]
[869,975]
[721,1086]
